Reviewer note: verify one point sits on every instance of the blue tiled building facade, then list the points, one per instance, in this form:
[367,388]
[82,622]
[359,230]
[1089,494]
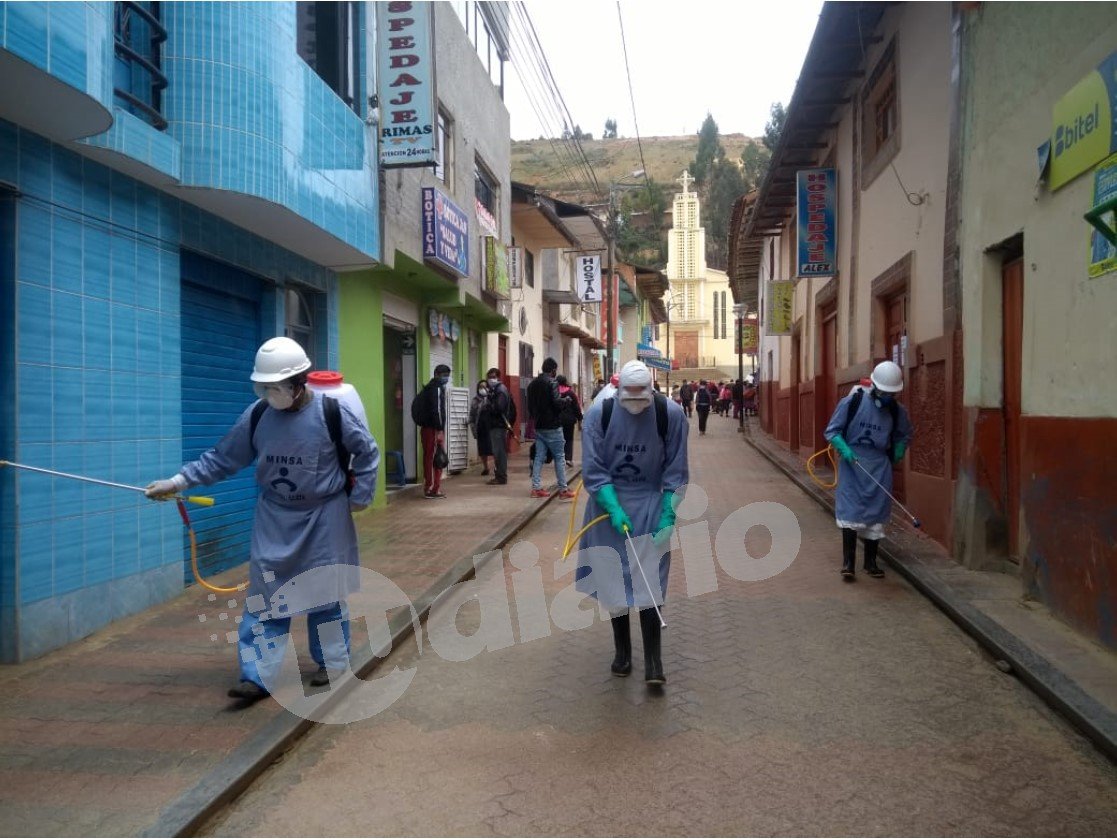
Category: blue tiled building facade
[173,190]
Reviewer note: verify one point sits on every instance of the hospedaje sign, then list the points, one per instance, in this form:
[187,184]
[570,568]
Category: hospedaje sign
[445,233]
[817,222]
[1084,129]
[405,85]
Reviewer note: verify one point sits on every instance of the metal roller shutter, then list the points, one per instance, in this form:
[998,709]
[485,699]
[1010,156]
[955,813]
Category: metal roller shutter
[220,335]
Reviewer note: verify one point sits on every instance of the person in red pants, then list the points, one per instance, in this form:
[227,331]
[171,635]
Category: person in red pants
[429,412]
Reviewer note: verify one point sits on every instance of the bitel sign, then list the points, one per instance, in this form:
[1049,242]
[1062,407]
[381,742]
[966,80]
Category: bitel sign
[405,84]
[445,232]
[817,195]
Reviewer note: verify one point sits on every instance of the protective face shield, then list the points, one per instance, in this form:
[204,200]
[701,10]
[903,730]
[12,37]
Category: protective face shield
[635,387]
[280,395]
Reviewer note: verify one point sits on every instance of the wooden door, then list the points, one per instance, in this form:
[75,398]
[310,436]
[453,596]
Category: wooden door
[793,432]
[1012,309]
[895,331]
[686,349]
[827,394]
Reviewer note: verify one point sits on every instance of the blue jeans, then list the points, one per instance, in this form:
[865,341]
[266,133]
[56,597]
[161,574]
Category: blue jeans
[549,440]
[261,643]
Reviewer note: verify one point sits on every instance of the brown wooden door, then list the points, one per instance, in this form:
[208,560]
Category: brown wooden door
[1012,308]
[827,394]
[896,330]
[686,349]
[793,437]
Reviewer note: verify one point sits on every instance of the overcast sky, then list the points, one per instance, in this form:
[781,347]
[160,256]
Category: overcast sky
[687,58]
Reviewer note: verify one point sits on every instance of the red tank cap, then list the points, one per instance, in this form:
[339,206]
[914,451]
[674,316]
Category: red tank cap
[325,378]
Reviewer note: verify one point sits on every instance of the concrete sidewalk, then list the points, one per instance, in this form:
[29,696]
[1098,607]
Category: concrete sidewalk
[128,730]
[1074,675]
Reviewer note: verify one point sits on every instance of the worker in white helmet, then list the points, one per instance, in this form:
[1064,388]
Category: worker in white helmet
[303,514]
[870,430]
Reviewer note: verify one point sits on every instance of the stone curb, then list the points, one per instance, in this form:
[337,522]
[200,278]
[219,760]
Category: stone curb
[1096,722]
[249,760]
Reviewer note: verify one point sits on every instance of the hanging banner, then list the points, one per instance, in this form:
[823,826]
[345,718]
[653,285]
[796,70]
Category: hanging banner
[515,267]
[778,302]
[597,375]
[445,232]
[587,272]
[749,337]
[817,228]
[405,84]
[1103,254]
[1084,128]
[496,268]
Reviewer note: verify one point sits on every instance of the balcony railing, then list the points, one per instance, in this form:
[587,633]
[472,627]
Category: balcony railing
[139,81]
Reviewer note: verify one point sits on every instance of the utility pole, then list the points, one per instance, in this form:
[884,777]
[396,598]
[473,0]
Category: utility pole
[739,310]
[611,232]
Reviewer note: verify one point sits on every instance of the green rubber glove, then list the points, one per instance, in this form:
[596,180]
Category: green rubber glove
[666,518]
[607,500]
[839,443]
[898,452]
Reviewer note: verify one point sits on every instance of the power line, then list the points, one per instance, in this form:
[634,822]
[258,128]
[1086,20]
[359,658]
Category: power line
[631,96]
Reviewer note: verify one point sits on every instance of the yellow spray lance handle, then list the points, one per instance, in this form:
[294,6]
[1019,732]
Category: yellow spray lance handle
[200,500]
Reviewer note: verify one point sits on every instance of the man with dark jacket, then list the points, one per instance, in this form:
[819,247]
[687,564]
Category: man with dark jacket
[702,402]
[545,407]
[501,416]
[429,413]
[686,396]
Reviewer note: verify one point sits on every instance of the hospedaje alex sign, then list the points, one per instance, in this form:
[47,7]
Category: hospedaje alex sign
[1084,124]
[405,85]
[817,222]
[445,232]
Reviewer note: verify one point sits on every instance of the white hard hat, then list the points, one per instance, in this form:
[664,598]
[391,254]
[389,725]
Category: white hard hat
[887,377]
[279,359]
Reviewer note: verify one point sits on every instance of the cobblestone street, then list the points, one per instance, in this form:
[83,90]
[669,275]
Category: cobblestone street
[796,705]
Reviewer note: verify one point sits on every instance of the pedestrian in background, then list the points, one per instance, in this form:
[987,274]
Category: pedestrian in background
[871,431]
[724,398]
[633,461]
[545,406]
[303,512]
[738,391]
[479,426]
[569,417]
[686,396]
[702,404]
[428,410]
[501,418]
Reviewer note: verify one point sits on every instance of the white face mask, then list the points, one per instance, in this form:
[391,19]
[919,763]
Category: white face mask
[279,396]
[636,405]
[494,382]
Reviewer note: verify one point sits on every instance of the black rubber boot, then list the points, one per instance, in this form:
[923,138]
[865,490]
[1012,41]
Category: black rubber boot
[622,643]
[849,554]
[649,631]
[871,567]
[248,692]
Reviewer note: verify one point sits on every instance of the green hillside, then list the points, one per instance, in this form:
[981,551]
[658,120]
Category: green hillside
[545,163]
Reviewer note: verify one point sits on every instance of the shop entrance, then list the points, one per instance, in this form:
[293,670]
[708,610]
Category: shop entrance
[399,390]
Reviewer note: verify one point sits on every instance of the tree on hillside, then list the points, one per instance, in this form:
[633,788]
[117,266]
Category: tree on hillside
[774,127]
[576,134]
[725,185]
[709,150]
[610,132]
[641,237]
[754,164]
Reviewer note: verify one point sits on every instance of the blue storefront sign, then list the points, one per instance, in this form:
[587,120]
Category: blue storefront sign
[445,232]
[817,198]
[646,351]
[658,363]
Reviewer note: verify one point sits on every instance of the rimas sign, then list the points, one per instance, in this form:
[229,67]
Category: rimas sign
[405,84]
[1085,124]
[817,198]
[445,232]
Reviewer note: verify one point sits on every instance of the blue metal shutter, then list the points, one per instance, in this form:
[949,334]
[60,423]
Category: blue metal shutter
[220,335]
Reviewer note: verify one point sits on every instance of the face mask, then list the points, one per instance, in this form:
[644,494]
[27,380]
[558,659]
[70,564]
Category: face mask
[494,382]
[442,380]
[482,392]
[280,396]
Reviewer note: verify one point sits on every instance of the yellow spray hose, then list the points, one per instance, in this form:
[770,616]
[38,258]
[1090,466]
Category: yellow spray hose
[571,541]
[829,451]
[200,500]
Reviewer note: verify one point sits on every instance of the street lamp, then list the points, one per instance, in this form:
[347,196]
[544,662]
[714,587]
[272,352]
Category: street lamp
[611,236]
[671,304]
[739,312]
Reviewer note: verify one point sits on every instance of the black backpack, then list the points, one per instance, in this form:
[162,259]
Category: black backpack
[855,403]
[660,415]
[702,397]
[333,424]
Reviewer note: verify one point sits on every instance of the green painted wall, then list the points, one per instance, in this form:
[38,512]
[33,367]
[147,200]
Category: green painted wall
[361,351]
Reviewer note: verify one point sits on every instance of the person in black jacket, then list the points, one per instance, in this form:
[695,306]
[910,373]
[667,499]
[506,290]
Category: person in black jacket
[570,416]
[429,413]
[544,405]
[702,404]
[500,413]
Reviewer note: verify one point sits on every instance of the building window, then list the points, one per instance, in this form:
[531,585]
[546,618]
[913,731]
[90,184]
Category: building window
[489,36]
[529,268]
[299,318]
[444,149]
[880,111]
[486,191]
[138,80]
[328,39]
